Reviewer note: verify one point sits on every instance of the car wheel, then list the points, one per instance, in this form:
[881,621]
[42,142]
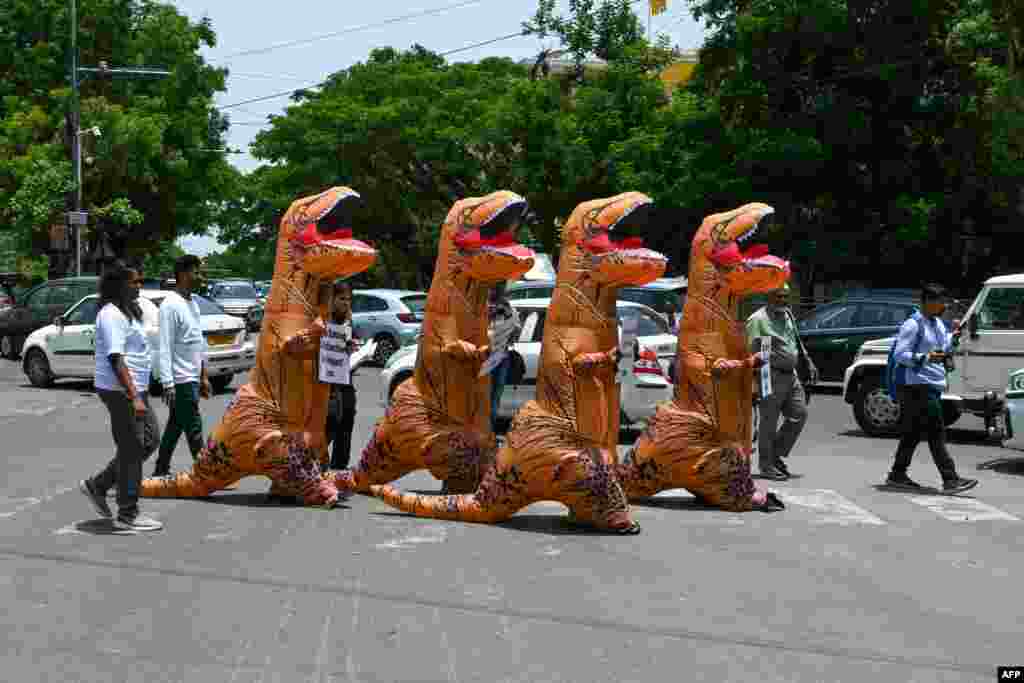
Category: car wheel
[37,367]
[385,347]
[395,382]
[876,413]
[220,383]
[7,346]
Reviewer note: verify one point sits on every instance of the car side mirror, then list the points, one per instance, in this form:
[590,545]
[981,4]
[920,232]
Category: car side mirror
[59,321]
[972,325]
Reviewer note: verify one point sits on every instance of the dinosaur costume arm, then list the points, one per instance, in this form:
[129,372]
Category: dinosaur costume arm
[466,352]
[590,362]
[306,342]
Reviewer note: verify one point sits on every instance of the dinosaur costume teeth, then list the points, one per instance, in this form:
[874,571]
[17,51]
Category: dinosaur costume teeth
[439,419]
[562,445]
[701,439]
[274,426]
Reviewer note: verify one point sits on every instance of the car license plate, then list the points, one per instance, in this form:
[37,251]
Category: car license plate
[219,339]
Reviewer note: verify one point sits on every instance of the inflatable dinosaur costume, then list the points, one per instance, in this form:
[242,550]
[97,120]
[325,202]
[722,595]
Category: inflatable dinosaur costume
[561,446]
[701,440]
[274,426]
[440,419]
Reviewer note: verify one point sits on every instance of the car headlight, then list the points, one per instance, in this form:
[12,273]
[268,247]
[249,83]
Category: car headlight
[1016,382]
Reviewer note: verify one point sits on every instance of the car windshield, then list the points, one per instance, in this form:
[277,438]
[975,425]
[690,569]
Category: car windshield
[207,307]
[641,323]
[417,303]
[663,301]
[235,291]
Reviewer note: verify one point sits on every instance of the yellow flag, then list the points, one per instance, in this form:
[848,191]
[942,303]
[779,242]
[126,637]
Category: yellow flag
[658,6]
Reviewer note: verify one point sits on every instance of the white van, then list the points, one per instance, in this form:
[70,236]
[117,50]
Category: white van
[988,346]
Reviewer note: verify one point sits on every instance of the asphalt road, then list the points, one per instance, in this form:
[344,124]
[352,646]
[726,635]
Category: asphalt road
[847,584]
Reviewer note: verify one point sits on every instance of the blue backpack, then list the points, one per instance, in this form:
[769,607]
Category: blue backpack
[896,374]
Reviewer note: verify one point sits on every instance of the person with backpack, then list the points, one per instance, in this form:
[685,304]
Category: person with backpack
[916,375]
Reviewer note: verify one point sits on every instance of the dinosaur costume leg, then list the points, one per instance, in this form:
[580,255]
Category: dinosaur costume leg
[408,438]
[248,442]
[664,457]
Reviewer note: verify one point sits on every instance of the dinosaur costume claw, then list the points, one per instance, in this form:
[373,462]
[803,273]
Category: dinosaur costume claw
[439,419]
[701,440]
[274,426]
[562,445]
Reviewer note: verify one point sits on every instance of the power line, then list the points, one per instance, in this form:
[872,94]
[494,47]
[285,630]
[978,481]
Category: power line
[348,30]
[289,93]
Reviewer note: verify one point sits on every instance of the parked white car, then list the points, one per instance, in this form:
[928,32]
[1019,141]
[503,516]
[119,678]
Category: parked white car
[1014,415]
[989,346]
[66,348]
[643,374]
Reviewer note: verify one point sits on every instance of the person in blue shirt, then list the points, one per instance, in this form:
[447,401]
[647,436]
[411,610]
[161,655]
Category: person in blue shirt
[923,351]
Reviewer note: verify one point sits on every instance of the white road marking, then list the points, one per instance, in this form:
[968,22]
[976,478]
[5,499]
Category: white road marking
[26,503]
[957,509]
[831,507]
[430,534]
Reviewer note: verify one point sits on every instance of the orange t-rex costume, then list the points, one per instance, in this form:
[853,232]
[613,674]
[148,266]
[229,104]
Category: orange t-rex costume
[439,419]
[701,440]
[274,426]
[562,445]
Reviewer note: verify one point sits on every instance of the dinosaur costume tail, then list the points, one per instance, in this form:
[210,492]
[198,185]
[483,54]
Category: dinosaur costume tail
[461,508]
[181,485]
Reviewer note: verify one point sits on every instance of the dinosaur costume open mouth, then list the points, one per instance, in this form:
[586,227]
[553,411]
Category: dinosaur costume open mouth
[625,235]
[491,246]
[733,254]
[329,248]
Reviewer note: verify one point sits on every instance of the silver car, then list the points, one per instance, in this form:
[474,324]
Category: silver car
[239,298]
[390,317]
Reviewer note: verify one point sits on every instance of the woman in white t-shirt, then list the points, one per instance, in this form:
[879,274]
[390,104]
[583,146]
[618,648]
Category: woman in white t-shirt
[123,365]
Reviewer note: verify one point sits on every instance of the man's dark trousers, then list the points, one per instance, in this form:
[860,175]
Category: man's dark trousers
[185,418]
[921,407]
[340,425]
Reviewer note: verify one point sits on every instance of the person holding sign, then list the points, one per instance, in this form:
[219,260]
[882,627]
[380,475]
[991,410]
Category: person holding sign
[503,331]
[787,396]
[336,349]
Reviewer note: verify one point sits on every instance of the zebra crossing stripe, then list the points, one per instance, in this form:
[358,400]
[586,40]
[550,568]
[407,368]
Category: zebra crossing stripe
[828,506]
[962,509]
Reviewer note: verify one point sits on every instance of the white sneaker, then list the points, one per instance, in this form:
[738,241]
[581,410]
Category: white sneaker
[137,523]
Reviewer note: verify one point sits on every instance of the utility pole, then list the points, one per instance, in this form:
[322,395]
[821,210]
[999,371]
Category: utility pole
[76,138]
[76,217]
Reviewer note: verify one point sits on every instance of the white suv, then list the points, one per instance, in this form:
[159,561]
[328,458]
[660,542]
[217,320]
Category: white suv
[643,374]
[67,348]
[989,345]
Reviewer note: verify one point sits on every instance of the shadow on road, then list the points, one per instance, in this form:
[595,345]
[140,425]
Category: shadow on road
[258,500]
[100,527]
[1008,465]
[674,503]
[557,524]
[956,436]
[82,386]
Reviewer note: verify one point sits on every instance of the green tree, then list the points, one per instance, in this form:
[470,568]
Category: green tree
[152,174]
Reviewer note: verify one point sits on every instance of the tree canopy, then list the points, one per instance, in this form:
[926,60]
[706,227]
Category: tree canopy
[154,172]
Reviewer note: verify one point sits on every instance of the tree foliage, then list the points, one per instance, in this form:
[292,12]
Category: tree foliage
[885,133]
[151,174]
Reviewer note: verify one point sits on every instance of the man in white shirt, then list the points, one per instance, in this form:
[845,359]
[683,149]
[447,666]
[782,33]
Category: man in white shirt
[182,364]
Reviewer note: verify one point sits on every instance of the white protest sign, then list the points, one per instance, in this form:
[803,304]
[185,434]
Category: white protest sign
[334,358]
[766,369]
